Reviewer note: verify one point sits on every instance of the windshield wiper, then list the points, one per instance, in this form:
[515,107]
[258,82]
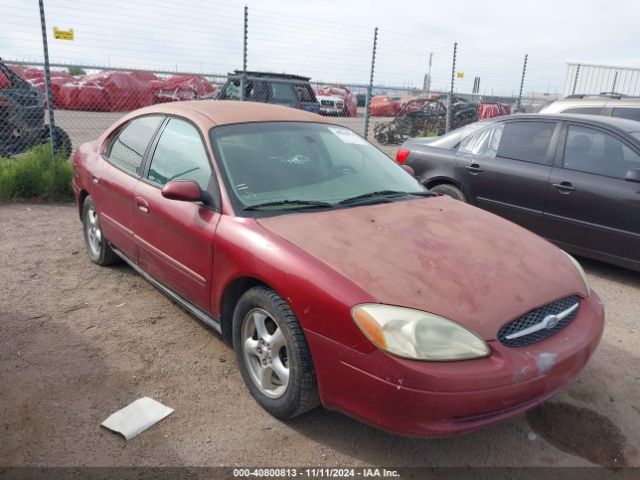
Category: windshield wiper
[292,203]
[383,193]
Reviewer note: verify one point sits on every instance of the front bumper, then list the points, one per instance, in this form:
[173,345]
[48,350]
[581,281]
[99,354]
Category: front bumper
[437,399]
[327,110]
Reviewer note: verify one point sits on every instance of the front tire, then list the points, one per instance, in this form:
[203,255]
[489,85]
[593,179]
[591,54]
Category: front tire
[98,249]
[273,354]
[450,190]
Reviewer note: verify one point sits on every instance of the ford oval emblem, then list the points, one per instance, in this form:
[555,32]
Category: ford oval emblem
[551,321]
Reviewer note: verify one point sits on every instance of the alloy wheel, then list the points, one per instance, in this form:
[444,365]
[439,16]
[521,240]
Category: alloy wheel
[265,353]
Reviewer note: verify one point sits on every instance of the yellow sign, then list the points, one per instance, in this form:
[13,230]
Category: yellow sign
[458,74]
[59,34]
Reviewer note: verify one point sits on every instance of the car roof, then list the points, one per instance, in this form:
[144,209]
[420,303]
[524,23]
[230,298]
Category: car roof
[602,100]
[286,76]
[598,120]
[209,113]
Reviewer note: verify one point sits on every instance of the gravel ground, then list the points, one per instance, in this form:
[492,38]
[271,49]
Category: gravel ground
[78,342]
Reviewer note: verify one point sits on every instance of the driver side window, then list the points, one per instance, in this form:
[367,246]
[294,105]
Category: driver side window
[180,155]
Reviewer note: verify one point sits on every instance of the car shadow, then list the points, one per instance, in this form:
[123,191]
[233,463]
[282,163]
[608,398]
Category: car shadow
[370,445]
[610,272]
[597,408]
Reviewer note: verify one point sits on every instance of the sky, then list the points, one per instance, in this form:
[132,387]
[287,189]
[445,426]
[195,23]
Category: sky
[332,41]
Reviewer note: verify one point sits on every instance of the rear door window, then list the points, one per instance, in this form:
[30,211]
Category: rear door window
[594,151]
[630,113]
[527,141]
[128,148]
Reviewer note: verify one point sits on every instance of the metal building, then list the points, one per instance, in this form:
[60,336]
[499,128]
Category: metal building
[586,77]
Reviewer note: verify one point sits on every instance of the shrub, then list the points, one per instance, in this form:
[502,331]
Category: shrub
[36,174]
[75,70]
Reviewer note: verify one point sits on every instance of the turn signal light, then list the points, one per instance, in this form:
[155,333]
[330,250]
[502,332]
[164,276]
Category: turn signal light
[402,155]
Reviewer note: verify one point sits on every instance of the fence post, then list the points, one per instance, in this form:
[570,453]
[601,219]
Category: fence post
[450,95]
[524,71]
[47,75]
[615,81]
[575,80]
[243,79]
[370,86]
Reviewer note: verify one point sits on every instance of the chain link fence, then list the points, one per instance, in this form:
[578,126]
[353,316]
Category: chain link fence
[380,83]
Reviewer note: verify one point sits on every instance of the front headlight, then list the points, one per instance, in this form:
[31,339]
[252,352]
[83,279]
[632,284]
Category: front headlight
[415,334]
[580,271]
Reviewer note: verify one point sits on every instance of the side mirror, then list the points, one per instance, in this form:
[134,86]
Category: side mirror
[182,190]
[633,175]
[409,170]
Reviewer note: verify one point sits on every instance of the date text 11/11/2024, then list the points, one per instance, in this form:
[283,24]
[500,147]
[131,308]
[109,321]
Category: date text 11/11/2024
[315,472]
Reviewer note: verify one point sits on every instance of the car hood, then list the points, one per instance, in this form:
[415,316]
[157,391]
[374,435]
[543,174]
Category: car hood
[437,255]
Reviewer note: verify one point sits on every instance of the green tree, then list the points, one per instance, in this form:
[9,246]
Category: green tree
[73,70]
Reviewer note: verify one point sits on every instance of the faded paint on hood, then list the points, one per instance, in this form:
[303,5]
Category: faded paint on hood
[437,255]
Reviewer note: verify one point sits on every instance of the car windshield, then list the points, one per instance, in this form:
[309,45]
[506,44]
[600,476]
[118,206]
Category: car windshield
[301,165]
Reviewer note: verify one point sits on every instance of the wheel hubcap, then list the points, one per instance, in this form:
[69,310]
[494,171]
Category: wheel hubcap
[265,353]
[94,235]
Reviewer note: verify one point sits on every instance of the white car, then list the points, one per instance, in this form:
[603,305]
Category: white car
[331,105]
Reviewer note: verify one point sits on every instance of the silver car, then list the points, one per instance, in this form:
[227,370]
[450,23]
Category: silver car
[606,104]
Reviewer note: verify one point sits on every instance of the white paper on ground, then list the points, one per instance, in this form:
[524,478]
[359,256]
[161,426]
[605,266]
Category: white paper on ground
[136,417]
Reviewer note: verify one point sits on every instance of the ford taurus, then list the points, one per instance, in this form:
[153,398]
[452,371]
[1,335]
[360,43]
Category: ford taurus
[338,278]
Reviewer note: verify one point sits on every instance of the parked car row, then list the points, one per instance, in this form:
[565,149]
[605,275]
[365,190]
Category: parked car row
[573,179]
[338,278]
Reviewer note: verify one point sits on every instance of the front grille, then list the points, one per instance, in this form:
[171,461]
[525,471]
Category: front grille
[536,317]
[328,103]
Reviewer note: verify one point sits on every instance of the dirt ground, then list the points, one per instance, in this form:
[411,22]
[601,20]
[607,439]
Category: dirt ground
[78,342]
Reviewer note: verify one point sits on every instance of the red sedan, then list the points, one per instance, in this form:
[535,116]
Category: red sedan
[336,276]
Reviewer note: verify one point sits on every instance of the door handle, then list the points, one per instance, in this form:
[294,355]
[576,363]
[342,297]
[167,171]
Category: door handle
[142,204]
[564,187]
[473,168]
[95,180]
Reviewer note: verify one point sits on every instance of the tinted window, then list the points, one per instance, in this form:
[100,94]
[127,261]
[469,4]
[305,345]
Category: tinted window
[527,141]
[627,112]
[282,92]
[484,142]
[584,110]
[180,154]
[129,146]
[594,151]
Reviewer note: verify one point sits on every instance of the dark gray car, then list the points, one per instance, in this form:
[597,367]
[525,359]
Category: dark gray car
[574,179]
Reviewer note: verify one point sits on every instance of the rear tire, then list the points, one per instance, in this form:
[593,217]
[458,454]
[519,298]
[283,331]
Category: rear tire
[61,140]
[273,354]
[98,249]
[450,190]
